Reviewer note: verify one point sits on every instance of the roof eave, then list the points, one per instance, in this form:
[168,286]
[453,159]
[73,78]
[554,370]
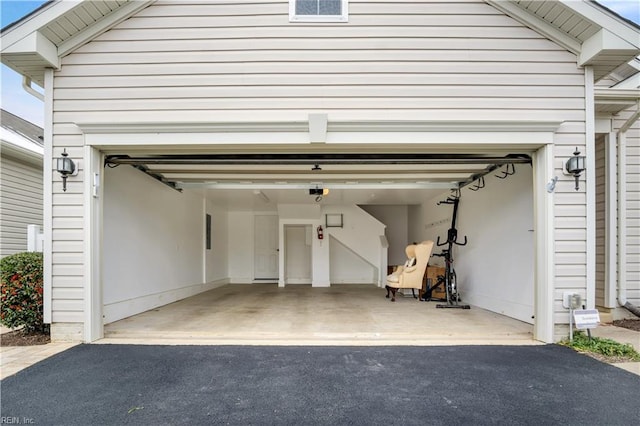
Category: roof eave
[606,51]
[614,100]
[616,43]
[23,42]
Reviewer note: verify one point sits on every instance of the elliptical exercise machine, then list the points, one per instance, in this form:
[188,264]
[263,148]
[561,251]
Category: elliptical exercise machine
[448,280]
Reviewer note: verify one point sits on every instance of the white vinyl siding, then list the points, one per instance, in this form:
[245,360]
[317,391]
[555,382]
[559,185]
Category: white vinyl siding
[632,231]
[182,61]
[20,203]
[68,247]
[178,61]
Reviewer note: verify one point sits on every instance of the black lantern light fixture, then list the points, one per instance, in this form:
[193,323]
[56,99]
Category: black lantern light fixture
[66,167]
[576,165]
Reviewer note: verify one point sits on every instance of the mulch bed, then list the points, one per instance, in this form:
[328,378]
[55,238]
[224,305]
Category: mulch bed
[631,324]
[19,338]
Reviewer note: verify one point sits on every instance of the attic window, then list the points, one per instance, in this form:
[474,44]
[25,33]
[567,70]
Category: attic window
[318,10]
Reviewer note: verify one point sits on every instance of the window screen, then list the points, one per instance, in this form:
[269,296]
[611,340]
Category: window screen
[319,7]
[318,10]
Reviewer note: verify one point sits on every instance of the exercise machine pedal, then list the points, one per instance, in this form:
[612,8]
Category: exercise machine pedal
[441,305]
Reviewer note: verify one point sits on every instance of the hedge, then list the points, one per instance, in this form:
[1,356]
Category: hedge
[21,291]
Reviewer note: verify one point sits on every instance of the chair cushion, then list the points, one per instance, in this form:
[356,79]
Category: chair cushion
[393,278]
[410,262]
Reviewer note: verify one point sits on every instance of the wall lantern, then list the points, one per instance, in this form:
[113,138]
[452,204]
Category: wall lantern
[576,165]
[66,167]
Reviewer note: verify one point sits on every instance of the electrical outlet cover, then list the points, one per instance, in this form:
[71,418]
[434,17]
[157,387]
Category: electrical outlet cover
[566,299]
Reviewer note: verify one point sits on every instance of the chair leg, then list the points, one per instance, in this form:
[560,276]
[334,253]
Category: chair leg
[393,292]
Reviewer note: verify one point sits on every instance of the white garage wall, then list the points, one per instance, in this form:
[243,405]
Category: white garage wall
[495,269]
[360,235]
[216,259]
[428,221]
[346,267]
[153,244]
[397,232]
[240,247]
[298,241]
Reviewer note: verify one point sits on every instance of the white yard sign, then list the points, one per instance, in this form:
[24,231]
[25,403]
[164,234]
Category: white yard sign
[586,318]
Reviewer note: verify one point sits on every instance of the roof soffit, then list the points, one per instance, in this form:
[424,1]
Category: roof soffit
[598,16]
[632,82]
[538,24]
[614,100]
[606,42]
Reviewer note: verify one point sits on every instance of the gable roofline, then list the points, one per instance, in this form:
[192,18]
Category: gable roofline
[29,45]
[606,18]
[22,127]
[601,38]
[614,14]
[20,139]
[537,24]
[27,16]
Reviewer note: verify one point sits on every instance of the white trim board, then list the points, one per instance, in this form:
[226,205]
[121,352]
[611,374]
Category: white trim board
[118,310]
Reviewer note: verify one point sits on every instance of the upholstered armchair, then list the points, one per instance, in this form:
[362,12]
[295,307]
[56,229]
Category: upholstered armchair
[410,274]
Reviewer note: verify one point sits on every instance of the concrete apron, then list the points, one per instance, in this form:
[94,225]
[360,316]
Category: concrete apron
[348,314]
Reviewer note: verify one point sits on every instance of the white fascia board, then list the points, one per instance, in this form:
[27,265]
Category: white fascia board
[602,42]
[461,141]
[617,93]
[19,141]
[537,24]
[195,127]
[20,153]
[36,43]
[599,17]
[101,26]
[488,134]
[186,140]
[471,126]
[440,140]
[332,126]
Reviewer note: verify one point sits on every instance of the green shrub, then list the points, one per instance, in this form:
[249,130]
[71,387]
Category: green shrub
[21,291]
[606,347]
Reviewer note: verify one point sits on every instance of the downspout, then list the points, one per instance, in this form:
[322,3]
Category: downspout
[26,85]
[590,185]
[622,213]
[47,246]
[47,186]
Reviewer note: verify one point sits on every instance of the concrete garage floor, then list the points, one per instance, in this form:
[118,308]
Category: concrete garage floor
[263,314]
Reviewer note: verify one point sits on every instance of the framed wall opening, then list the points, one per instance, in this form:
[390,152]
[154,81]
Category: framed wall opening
[309,226]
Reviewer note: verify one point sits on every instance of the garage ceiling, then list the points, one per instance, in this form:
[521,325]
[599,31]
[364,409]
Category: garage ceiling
[261,181]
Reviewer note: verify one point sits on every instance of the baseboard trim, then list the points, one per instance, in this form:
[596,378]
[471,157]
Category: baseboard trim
[126,308]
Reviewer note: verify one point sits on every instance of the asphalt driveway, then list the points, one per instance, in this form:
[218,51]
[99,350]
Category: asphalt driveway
[241,385]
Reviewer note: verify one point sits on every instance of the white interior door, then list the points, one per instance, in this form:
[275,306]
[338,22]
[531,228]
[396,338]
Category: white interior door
[266,247]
